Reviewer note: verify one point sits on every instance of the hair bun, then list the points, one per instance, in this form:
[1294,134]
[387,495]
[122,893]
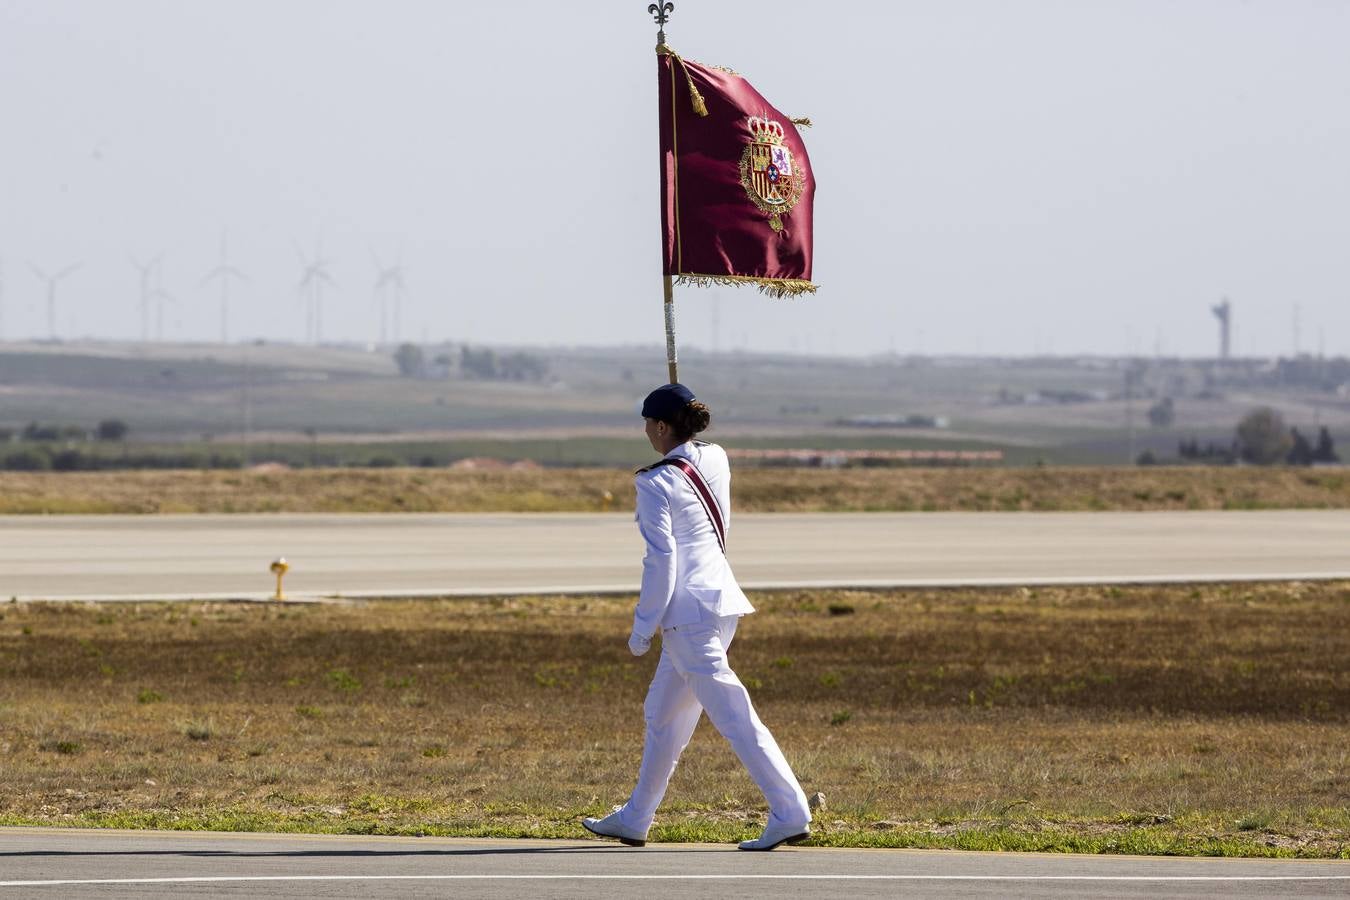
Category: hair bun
[693,419]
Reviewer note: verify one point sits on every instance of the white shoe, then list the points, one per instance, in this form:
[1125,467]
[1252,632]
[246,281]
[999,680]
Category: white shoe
[775,834]
[610,826]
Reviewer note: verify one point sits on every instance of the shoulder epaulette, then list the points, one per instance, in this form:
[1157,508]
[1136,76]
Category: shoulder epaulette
[656,465]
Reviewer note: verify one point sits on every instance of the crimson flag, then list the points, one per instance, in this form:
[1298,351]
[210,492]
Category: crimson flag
[736,183]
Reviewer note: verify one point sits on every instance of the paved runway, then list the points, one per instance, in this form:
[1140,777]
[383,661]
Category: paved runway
[65,557]
[107,864]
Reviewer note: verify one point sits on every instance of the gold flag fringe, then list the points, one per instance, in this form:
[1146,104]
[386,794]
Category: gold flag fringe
[773,287]
[802,122]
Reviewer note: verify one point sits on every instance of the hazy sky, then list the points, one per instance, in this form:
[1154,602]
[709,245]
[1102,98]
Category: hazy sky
[994,177]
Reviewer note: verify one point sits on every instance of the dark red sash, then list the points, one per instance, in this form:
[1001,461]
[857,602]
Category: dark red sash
[705,495]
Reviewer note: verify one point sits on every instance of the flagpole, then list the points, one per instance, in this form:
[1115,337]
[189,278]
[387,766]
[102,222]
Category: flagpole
[672,359]
[661,13]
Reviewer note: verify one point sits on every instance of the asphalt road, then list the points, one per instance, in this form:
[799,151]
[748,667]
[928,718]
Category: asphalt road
[217,556]
[113,864]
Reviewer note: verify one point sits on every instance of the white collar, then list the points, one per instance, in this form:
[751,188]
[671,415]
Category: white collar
[685,450]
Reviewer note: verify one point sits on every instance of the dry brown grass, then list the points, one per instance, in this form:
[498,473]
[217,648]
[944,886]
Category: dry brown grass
[756,489]
[1150,719]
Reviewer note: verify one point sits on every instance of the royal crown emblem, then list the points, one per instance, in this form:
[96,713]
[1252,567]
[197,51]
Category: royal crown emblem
[768,172]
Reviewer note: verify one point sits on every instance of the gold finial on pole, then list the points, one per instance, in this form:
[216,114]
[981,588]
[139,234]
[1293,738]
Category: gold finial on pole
[661,13]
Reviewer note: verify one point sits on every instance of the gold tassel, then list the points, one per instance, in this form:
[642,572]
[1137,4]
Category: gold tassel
[803,122]
[695,98]
[700,108]
[773,287]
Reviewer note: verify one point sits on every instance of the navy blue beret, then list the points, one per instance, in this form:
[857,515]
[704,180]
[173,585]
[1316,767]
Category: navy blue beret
[666,401]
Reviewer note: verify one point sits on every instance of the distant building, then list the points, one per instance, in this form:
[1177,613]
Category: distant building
[896,421]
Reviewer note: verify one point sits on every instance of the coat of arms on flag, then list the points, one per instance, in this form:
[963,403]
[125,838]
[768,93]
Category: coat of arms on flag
[767,173]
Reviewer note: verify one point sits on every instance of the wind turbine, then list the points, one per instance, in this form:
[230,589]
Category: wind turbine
[160,296]
[146,271]
[389,285]
[1224,313]
[223,273]
[52,282]
[314,275]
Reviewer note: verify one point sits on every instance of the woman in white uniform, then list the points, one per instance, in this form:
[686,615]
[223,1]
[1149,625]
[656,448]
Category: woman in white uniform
[691,597]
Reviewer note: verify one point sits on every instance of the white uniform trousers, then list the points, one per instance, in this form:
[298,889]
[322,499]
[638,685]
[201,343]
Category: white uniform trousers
[692,677]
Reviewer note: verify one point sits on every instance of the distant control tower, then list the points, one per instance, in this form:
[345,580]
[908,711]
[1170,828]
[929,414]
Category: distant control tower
[1224,313]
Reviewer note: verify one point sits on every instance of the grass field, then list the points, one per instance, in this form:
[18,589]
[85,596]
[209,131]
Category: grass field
[1195,720]
[755,490]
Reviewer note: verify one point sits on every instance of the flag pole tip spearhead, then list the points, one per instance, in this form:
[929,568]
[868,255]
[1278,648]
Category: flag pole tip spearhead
[661,13]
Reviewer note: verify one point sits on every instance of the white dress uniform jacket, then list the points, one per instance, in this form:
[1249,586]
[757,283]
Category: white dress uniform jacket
[685,575]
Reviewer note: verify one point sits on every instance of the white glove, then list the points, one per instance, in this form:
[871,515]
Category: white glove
[638,644]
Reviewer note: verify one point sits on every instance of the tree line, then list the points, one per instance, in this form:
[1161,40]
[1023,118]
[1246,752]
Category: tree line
[483,364]
[1263,438]
[107,430]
